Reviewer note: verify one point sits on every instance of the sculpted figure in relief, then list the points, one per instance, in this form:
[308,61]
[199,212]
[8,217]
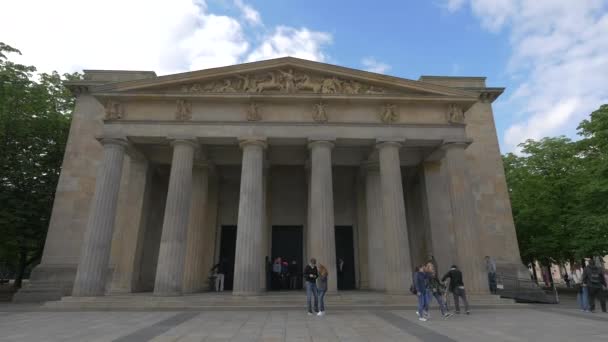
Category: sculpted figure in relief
[289,80]
[184,110]
[374,90]
[330,86]
[305,83]
[455,114]
[389,114]
[114,110]
[247,83]
[252,112]
[270,84]
[319,114]
[351,87]
[226,87]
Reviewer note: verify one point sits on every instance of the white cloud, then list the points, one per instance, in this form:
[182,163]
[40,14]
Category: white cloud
[249,13]
[164,36]
[558,61]
[373,65]
[454,5]
[289,41]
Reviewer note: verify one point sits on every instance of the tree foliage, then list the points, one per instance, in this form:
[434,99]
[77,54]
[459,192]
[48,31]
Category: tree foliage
[559,194]
[35,112]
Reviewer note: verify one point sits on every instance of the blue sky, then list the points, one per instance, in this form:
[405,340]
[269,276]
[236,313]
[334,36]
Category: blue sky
[549,54]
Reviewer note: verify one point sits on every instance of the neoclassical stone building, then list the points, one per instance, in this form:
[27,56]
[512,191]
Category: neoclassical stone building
[165,175]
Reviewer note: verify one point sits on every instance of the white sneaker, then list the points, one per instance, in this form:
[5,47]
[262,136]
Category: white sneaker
[422,319]
[310,314]
[417,313]
[321,313]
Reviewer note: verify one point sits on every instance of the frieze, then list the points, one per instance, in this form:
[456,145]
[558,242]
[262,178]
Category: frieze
[183,111]
[253,112]
[455,114]
[288,81]
[389,113]
[319,113]
[114,110]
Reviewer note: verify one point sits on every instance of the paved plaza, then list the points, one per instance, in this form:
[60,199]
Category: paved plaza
[528,323]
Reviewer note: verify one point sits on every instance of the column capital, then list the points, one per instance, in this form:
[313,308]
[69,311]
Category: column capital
[381,143]
[255,141]
[113,141]
[463,144]
[183,140]
[321,141]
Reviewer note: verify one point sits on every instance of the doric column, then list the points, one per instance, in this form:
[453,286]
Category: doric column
[322,236]
[398,276]
[375,227]
[194,274]
[249,258]
[465,223]
[92,267]
[171,256]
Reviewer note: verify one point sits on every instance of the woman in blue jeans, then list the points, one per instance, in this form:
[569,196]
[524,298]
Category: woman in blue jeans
[322,288]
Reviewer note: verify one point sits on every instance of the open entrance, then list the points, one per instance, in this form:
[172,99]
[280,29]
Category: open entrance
[287,244]
[345,251]
[227,253]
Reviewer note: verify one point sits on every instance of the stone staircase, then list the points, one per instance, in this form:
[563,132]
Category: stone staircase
[280,300]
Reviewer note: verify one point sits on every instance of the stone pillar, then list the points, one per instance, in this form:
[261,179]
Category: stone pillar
[249,258]
[438,211]
[322,236]
[375,227]
[465,223]
[194,274]
[92,268]
[172,253]
[398,276]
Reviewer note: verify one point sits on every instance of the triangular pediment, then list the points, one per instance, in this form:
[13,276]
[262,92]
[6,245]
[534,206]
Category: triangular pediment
[288,76]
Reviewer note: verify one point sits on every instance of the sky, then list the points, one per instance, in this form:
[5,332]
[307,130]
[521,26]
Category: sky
[550,55]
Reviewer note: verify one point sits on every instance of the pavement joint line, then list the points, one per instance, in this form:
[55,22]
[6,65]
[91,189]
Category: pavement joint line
[156,329]
[423,333]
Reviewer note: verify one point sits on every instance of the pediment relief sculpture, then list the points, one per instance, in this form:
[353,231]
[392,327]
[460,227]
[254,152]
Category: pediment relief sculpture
[389,113]
[288,81]
[455,114]
[114,110]
[183,111]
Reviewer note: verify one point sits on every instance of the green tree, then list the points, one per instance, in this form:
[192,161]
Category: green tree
[35,112]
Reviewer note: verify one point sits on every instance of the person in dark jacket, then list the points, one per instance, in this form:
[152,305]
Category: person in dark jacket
[293,275]
[457,288]
[435,289]
[593,277]
[421,284]
[311,273]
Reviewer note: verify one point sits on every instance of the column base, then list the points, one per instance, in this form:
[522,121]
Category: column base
[246,293]
[167,294]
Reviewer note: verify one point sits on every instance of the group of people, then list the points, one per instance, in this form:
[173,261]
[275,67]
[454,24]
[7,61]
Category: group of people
[427,286]
[284,275]
[591,284]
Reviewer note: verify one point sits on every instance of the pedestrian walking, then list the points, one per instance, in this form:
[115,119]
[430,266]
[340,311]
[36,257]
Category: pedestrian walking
[436,289]
[420,284]
[322,288]
[582,292]
[311,273]
[457,288]
[491,269]
[593,277]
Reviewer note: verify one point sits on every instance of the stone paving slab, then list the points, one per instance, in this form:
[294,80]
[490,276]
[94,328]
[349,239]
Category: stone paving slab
[529,323]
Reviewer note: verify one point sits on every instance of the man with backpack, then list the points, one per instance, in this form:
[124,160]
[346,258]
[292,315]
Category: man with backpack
[457,288]
[593,278]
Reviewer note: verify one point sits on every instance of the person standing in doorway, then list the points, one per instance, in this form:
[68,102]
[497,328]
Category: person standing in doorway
[311,273]
[322,288]
[276,273]
[420,282]
[593,277]
[457,288]
[340,269]
[293,275]
[491,269]
[219,270]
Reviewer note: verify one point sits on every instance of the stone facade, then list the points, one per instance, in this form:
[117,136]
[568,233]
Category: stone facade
[155,167]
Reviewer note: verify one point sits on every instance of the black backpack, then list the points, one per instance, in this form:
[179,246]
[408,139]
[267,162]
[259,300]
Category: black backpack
[595,278]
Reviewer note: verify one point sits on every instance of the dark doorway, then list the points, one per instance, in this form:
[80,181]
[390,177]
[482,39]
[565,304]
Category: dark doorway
[227,251]
[287,244]
[345,251]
